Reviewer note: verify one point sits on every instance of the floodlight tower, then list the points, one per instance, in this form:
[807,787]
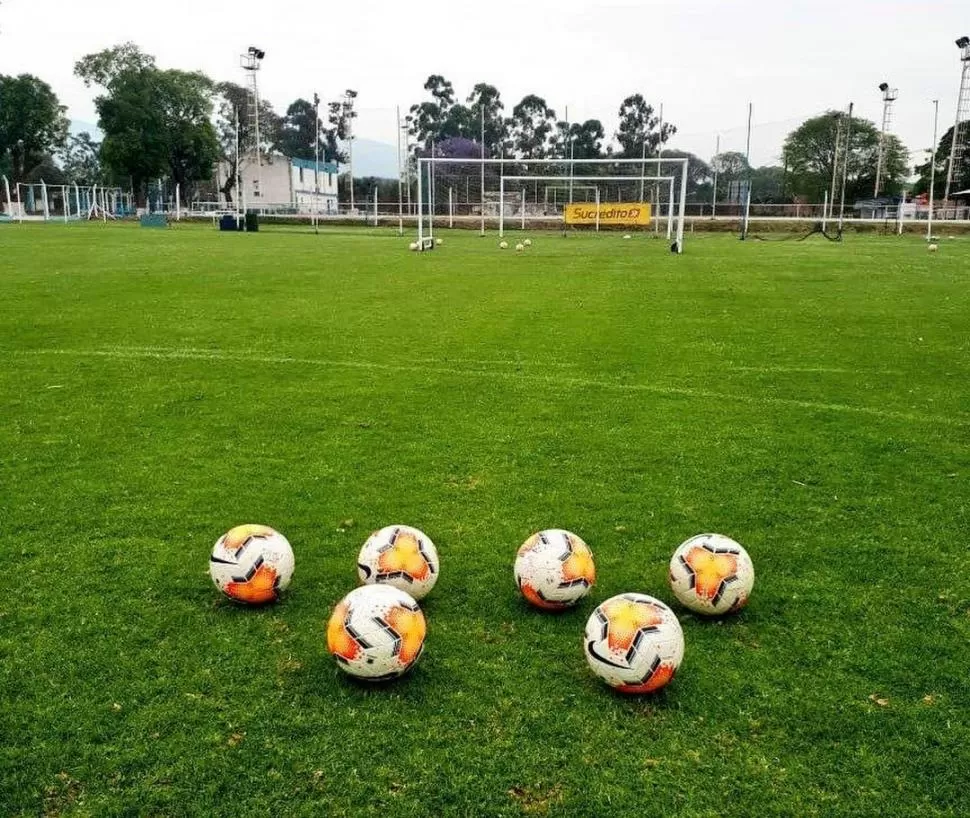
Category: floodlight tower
[250,62]
[963,114]
[348,106]
[889,96]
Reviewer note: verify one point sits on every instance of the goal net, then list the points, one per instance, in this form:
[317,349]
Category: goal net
[516,194]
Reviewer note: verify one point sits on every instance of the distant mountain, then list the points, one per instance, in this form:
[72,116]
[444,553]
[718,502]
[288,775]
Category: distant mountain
[374,159]
[76,127]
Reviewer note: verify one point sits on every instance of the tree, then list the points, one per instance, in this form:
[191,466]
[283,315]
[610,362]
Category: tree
[486,102]
[531,126]
[81,160]
[156,123]
[768,185]
[104,67]
[639,127]
[298,132]
[810,154]
[32,123]
[232,100]
[961,175]
[731,167]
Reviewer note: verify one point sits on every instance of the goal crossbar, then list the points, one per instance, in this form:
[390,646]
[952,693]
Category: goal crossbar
[682,162]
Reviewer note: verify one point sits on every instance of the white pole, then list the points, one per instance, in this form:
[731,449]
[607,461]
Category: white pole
[670,212]
[572,153]
[400,187]
[20,205]
[431,186]
[747,161]
[43,193]
[597,209]
[683,208]
[316,162]
[717,153]
[420,207]
[929,218]
[451,208]
[375,206]
[825,207]
[501,206]
[523,208]
[104,205]
[67,202]
[6,189]
[660,153]
[845,167]
[482,113]
[835,164]
[259,158]
[178,203]
[77,199]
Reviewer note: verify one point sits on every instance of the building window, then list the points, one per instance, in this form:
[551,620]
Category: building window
[329,180]
[301,175]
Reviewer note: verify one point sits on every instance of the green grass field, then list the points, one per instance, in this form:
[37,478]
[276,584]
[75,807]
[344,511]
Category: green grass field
[808,399]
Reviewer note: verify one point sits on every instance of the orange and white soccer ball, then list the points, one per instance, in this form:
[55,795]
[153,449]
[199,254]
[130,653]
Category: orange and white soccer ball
[711,574]
[376,633]
[252,564]
[634,643]
[554,569]
[401,556]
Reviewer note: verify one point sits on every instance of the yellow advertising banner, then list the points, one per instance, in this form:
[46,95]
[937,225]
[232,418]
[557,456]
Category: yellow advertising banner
[609,213]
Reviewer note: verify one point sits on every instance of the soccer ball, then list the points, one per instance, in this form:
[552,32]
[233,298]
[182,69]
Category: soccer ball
[528,242]
[627,236]
[554,569]
[413,246]
[519,248]
[251,564]
[933,247]
[503,245]
[376,633]
[439,242]
[400,556]
[711,574]
[634,643]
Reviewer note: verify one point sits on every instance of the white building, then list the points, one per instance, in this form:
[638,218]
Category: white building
[284,184]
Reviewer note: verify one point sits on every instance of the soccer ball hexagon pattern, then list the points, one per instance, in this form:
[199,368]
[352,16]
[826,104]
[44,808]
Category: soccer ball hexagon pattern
[711,574]
[634,643]
[252,564]
[376,633]
[402,557]
[554,569]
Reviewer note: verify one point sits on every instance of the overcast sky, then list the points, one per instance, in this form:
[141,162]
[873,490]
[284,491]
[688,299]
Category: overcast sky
[704,59]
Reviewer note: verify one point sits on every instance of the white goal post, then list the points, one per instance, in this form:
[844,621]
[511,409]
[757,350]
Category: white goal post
[664,169]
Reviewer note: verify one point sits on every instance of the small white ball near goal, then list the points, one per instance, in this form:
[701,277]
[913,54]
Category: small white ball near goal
[413,246]
[519,247]
[711,574]
[627,236]
[439,242]
[933,247]
[503,245]
[528,242]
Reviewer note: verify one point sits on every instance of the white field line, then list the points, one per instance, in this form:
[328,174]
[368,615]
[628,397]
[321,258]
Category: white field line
[554,380]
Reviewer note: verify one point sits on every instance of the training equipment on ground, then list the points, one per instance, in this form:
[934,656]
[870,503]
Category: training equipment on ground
[528,242]
[400,556]
[503,245]
[634,643]
[413,246]
[376,633]
[933,247]
[519,248]
[252,564]
[554,569]
[711,574]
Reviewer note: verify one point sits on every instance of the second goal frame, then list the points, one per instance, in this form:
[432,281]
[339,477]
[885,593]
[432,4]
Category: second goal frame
[426,205]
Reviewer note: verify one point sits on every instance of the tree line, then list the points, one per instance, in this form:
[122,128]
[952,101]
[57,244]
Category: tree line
[176,125]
